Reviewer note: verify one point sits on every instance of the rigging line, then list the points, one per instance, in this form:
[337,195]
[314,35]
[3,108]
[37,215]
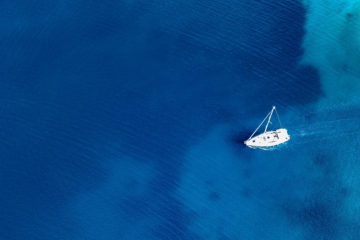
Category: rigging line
[278,117]
[259,125]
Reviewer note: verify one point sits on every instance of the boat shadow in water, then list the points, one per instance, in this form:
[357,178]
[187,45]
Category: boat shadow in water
[239,138]
[235,139]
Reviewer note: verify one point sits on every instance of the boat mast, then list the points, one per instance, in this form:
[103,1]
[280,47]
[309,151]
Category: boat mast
[260,124]
[269,118]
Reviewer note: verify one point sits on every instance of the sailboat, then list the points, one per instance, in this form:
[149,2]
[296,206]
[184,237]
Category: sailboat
[268,139]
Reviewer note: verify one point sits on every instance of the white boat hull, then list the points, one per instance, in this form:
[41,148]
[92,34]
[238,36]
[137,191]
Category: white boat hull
[268,139]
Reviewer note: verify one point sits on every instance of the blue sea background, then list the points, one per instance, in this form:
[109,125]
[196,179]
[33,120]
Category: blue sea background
[126,120]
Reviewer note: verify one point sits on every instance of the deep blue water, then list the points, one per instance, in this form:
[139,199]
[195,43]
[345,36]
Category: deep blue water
[125,120]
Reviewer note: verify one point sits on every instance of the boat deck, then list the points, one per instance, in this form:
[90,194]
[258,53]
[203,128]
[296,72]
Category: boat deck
[269,139]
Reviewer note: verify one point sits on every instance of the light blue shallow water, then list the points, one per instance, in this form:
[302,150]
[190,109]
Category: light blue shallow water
[126,120]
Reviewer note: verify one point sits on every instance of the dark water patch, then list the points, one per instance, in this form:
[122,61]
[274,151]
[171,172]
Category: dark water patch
[214,196]
[240,137]
[280,63]
[78,75]
[210,182]
[344,192]
[319,218]
[319,214]
[244,155]
[323,160]
[236,140]
[246,192]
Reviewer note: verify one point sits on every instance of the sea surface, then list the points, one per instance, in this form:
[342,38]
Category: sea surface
[126,119]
